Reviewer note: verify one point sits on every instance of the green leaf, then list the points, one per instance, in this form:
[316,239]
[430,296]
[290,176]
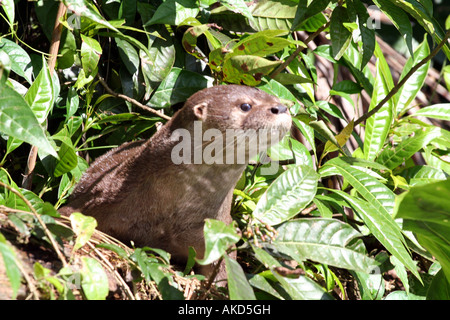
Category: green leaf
[425,211]
[218,238]
[436,111]
[177,87]
[416,9]
[383,227]
[367,33]
[326,241]
[40,94]
[174,12]
[375,192]
[238,6]
[393,157]
[292,191]
[409,90]
[90,54]
[238,286]
[399,19]
[10,264]
[273,15]
[94,281]
[439,288]
[420,175]
[247,69]
[84,227]
[8,7]
[340,36]
[18,120]
[128,55]
[261,44]
[20,60]
[378,125]
[302,288]
[86,9]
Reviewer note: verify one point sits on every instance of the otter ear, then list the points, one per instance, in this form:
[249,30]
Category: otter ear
[200,110]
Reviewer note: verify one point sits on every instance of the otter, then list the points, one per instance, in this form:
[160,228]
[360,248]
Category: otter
[158,192]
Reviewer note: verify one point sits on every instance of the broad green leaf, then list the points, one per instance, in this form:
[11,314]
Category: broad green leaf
[375,192]
[326,241]
[392,157]
[302,288]
[218,238]
[383,227]
[425,211]
[128,55]
[90,54]
[238,286]
[417,10]
[190,37]
[420,175]
[20,60]
[304,12]
[173,12]
[272,15]
[67,160]
[378,125]
[247,69]
[341,139]
[439,288]
[400,20]
[18,120]
[261,44]
[292,191]
[260,282]
[266,258]
[288,78]
[436,111]
[408,92]
[86,9]
[340,36]
[238,6]
[177,87]
[94,281]
[371,286]
[40,94]
[10,265]
[84,227]
[8,7]
[367,32]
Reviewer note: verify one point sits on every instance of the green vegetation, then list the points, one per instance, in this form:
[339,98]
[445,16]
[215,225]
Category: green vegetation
[360,208]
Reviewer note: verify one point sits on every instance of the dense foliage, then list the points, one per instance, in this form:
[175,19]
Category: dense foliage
[368,220]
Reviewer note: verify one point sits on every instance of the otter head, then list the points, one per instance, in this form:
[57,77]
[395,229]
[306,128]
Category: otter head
[244,119]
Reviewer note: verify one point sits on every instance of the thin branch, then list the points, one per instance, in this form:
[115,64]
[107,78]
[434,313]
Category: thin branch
[37,216]
[403,81]
[54,47]
[133,101]
[298,50]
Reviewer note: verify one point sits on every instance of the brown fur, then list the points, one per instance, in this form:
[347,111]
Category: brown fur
[138,194]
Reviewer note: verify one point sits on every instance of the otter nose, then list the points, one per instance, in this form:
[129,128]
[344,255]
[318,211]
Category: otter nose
[278,109]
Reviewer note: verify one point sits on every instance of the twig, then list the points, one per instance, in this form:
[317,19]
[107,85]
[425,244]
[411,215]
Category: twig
[403,81]
[211,279]
[298,50]
[36,215]
[54,47]
[133,101]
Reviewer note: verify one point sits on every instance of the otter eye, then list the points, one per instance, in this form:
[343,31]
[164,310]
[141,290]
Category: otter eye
[246,107]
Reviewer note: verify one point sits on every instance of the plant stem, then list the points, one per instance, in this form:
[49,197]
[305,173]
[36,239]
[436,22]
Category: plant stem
[133,101]
[298,50]
[36,215]
[403,81]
